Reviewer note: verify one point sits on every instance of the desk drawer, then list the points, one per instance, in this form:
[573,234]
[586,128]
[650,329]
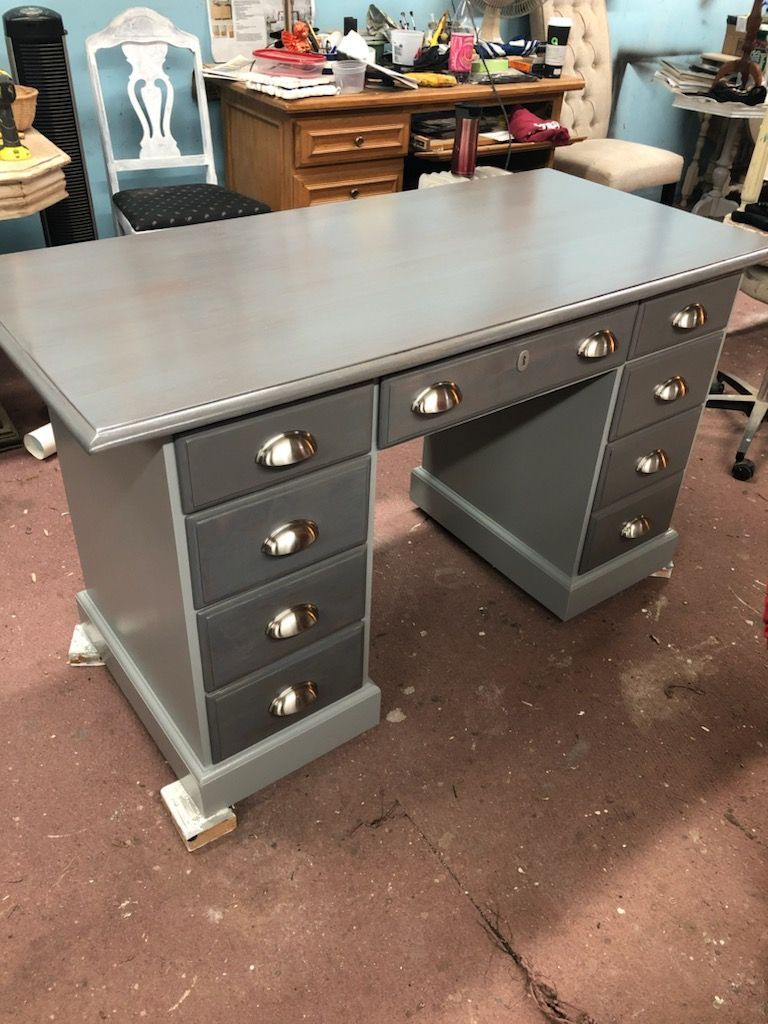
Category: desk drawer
[646,457]
[660,386]
[336,140]
[306,606]
[225,461]
[703,309]
[492,378]
[351,181]
[629,523]
[248,542]
[240,715]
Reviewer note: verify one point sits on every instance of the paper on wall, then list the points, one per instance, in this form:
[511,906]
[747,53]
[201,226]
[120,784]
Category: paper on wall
[242,26]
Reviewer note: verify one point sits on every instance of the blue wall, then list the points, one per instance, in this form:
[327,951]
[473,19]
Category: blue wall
[639,28]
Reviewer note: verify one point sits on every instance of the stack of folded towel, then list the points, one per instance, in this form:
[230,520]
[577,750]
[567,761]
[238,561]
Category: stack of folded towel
[287,88]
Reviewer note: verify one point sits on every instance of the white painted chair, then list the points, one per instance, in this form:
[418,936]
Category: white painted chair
[144,37]
[627,166]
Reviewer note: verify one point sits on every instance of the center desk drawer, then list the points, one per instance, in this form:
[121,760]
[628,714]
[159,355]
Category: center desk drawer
[247,633]
[335,140]
[442,394]
[259,451]
[252,540]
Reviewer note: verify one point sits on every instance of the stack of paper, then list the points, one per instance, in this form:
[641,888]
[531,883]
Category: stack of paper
[692,78]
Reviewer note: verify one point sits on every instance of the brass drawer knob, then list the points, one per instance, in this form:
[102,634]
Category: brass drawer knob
[653,462]
[598,345]
[436,399]
[290,538]
[287,449]
[293,621]
[359,141]
[635,528]
[690,318]
[354,193]
[293,699]
[670,390]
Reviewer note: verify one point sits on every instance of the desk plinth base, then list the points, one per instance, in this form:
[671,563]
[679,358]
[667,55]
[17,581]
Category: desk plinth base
[214,788]
[564,595]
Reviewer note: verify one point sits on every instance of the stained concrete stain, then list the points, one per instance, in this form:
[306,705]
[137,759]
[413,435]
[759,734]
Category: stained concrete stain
[643,684]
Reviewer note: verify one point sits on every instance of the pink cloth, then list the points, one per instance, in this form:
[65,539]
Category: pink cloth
[527,127]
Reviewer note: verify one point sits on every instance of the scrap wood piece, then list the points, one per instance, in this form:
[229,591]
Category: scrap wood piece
[194,828]
[83,651]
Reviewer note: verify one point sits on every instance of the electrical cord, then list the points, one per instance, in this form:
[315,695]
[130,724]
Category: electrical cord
[496,93]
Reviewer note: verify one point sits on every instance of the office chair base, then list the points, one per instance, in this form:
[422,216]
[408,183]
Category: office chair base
[753,402]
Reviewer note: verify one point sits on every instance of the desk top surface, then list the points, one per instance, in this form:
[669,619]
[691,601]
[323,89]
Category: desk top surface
[417,99]
[144,336]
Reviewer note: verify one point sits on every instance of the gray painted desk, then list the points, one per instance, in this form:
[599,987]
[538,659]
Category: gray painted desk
[219,394]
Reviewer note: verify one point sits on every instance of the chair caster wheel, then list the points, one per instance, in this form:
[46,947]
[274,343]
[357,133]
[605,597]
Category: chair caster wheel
[716,387]
[744,469]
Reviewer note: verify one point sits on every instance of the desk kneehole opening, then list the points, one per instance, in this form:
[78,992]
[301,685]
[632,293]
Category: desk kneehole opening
[287,449]
[293,699]
[635,528]
[292,621]
[671,390]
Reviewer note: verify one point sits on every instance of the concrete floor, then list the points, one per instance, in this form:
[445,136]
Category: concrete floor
[584,801]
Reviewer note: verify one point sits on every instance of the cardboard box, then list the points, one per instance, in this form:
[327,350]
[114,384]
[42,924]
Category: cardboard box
[735,32]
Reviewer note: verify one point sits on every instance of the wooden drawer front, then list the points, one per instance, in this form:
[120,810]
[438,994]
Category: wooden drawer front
[686,369]
[234,638]
[498,376]
[336,140]
[221,462]
[646,458]
[353,181]
[710,302]
[240,715]
[650,512]
[238,546]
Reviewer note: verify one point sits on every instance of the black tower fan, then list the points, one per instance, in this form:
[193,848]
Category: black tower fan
[38,55]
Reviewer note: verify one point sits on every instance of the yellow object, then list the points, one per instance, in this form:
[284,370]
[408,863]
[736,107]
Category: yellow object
[434,39]
[15,153]
[432,79]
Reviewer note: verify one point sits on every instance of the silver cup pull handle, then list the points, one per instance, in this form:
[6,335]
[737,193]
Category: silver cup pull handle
[293,699]
[598,345]
[635,528]
[689,318]
[287,449]
[437,398]
[293,621]
[670,390]
[653,462]
[291,538]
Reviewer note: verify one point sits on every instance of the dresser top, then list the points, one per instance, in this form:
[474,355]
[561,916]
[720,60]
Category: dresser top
[148,335]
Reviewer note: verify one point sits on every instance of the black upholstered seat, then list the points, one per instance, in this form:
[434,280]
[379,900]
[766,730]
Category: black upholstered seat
[150,209]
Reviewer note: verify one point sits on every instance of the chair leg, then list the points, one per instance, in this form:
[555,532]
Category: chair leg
[758,414]
[668,193]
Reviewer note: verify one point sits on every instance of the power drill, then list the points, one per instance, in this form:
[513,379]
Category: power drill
[10,145]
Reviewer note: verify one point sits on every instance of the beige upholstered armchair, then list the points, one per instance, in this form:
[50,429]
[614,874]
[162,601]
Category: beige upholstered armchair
[627,166]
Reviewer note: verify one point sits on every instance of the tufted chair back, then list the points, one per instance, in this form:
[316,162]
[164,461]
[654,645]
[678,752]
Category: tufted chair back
[589,57]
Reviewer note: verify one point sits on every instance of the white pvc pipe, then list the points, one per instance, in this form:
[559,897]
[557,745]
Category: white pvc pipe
[41,443]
